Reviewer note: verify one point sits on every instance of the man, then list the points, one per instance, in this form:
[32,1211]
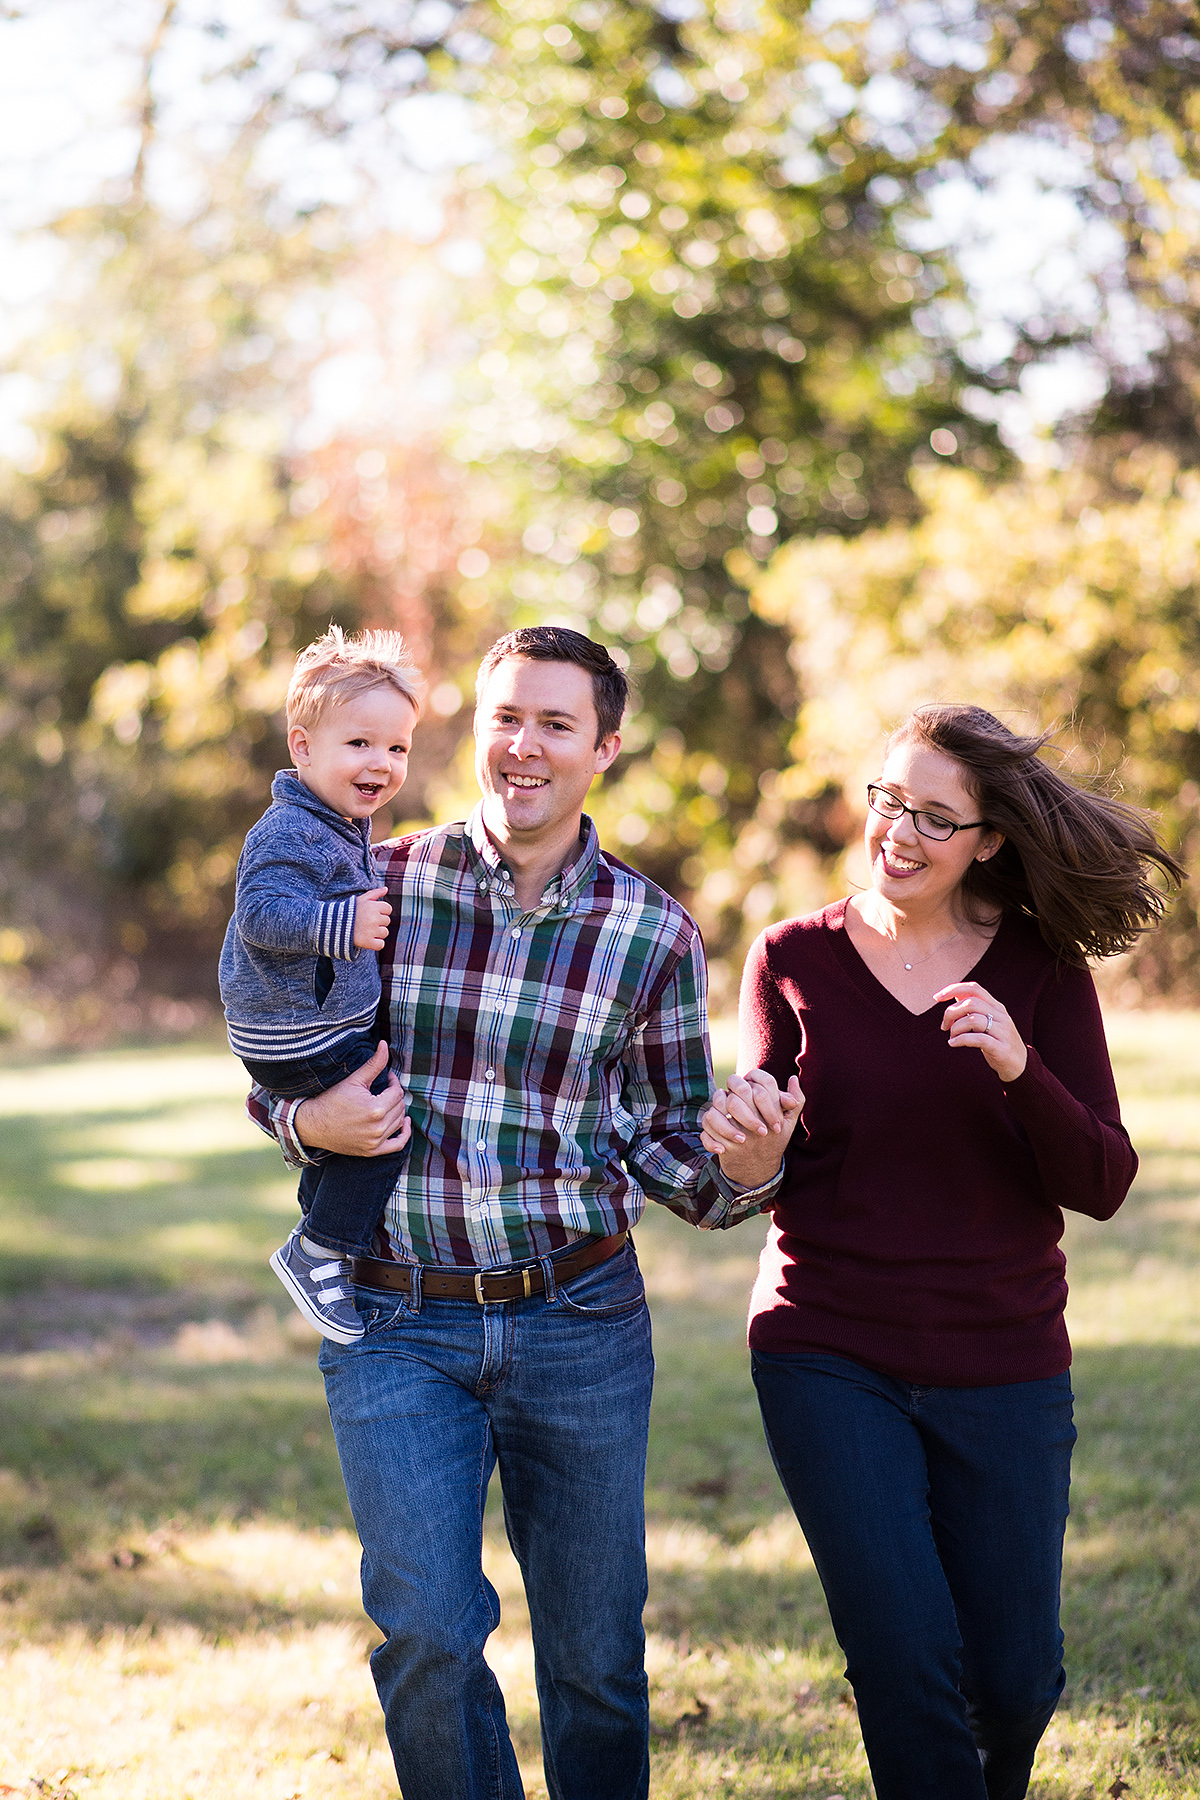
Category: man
[548,1007]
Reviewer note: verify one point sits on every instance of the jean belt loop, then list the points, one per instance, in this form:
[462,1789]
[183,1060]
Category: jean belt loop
[546,1264]
[415,1297]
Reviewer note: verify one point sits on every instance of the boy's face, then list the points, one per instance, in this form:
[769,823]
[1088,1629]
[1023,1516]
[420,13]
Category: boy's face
[355,757]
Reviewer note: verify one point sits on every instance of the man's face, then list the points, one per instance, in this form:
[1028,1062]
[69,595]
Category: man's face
[535,747]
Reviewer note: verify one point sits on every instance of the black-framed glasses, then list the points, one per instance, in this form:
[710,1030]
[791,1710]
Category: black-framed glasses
[929,824]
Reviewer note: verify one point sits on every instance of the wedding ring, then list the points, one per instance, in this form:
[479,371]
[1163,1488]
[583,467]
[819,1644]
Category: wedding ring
[988,1025]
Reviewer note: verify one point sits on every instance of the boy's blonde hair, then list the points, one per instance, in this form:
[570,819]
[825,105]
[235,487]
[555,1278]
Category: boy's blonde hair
[337,668]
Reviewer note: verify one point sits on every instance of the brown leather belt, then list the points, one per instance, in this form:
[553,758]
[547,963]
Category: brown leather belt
[517,1284]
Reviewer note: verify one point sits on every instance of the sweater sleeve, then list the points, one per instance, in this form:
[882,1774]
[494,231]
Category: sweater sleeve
[1066,1100]
[770,1036]
[278,909]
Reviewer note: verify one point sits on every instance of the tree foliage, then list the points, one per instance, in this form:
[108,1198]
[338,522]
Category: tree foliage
[1114,85]
[702,345]
[707,346]
[1028,599]
[164,560]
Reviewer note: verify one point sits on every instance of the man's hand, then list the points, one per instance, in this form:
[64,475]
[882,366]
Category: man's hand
[353,1121]
[750,1124]
[372,916]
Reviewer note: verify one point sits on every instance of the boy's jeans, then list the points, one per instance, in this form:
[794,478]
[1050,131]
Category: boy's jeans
[556,1390]
[342,1197]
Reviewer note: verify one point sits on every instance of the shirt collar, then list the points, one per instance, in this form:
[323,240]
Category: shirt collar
[561,894]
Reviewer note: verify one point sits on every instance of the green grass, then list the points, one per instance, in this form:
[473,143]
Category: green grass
[178,1605]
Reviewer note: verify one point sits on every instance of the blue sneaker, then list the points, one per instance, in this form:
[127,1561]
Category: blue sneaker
[320,1286]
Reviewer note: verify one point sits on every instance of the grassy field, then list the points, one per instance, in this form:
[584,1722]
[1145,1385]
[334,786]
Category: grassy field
[179,1615]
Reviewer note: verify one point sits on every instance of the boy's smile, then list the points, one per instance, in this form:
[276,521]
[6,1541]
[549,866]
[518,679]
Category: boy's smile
[355,756]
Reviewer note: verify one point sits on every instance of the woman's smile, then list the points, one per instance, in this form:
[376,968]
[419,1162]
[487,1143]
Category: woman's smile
[897,865]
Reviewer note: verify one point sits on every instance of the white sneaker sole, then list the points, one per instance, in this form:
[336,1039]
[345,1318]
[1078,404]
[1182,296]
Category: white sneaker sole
[305,1307]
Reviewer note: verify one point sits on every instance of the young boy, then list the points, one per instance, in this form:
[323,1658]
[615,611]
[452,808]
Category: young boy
[299,973]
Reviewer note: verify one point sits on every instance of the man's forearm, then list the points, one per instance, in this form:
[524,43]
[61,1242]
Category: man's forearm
[752,1164]
[350,1120]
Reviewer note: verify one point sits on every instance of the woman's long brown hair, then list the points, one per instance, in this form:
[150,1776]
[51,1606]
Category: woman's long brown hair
[1076,861]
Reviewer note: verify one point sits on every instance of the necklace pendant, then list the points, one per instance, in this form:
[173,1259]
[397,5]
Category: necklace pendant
[908,965]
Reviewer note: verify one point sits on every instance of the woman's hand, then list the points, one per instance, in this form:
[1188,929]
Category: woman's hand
[976,1021]
[352,1120]
[750,1124]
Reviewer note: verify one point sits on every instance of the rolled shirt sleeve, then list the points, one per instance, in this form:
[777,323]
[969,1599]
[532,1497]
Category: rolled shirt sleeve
[668,1084]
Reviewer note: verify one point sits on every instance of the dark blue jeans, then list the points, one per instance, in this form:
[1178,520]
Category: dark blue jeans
[341,1197]
[935,1516]
[556,1390]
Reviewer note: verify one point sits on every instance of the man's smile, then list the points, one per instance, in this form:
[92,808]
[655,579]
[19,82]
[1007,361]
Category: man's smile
[527,781]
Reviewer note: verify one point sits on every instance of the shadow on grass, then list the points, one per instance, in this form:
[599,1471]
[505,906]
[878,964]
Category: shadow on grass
[146,1440]
[158,1197]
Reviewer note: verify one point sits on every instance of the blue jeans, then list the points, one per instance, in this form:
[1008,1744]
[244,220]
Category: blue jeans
[556,1390]
[935,1517]
[341,1197]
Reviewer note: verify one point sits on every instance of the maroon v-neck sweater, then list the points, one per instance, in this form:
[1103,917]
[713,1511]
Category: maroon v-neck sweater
[918,1224]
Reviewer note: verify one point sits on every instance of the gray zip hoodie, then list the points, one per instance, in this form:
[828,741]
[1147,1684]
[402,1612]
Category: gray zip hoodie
[292,981]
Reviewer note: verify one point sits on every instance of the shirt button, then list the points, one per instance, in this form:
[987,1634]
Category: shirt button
[489,1074]
[516,931]
[482,1144]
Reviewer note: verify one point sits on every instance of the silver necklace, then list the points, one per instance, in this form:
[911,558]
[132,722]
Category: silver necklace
[929,954]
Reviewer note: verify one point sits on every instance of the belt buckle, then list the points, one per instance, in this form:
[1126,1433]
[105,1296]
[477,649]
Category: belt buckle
[480,1296]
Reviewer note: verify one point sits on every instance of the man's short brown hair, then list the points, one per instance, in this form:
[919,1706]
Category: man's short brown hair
[555,643]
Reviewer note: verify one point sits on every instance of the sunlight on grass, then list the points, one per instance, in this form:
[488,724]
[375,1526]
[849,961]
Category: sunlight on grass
[117,1174]
[179,1610]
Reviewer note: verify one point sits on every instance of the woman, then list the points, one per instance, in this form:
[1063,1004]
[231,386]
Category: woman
[907,1328]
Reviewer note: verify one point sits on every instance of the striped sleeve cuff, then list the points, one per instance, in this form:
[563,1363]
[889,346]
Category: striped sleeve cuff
[284,1118]
[335,928]
[741,1196]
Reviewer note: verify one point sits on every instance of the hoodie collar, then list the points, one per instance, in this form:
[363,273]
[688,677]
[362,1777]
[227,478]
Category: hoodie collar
[288,789]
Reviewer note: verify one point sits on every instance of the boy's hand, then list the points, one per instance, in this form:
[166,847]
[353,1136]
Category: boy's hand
[352,1120]
[372,916]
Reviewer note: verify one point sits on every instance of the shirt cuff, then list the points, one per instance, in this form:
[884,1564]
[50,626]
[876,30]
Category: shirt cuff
[294,1152]
[733,1190]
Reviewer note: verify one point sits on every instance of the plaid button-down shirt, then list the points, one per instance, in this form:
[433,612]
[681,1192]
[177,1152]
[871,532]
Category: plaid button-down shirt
[556,1061]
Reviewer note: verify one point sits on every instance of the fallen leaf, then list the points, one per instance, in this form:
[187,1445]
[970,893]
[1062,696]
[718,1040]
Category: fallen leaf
[1119,1787]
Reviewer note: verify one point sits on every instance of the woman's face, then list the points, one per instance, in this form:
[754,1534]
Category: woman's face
[907,868]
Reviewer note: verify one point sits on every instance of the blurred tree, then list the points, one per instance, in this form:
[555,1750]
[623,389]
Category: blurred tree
[1114,87]
[1026,598]
[701,330]
[705,344]
[163,561]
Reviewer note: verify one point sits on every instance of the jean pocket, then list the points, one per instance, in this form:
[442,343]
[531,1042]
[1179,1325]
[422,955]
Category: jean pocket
[379,1311]
[608,1290]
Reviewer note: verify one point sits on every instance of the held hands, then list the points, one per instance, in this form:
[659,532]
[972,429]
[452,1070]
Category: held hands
[372,916]
[976,1021]
[352,1120]
[750,1124]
